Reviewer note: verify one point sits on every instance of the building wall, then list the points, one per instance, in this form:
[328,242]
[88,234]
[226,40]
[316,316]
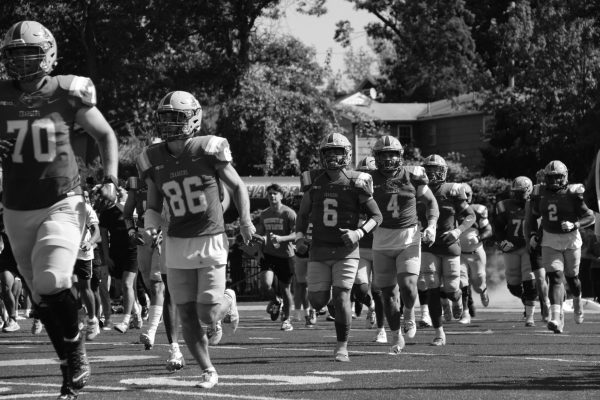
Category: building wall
[461,134]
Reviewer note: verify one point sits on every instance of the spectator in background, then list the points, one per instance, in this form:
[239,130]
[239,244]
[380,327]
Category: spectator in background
[276,227]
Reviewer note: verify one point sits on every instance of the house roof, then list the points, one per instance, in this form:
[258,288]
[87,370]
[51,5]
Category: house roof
[359,102]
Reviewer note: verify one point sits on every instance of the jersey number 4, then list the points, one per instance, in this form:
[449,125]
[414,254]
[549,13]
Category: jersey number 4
[44,139]
[186,196]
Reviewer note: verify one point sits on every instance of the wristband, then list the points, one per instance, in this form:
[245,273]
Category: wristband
[110,179]
[364,232]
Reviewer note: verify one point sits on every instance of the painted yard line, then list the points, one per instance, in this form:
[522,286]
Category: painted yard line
[50,361]
[246,380]
[223,395]
[263,338]
[438,355]
[368,372]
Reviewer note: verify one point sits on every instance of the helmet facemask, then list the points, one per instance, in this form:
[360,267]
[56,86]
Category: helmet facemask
[436,173]
[555,181]
[335,157]
[388,160]
[178,124]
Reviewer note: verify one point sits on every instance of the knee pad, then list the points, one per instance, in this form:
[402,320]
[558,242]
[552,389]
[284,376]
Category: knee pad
[575,285]
[555,278]
[515,290]
[529,292]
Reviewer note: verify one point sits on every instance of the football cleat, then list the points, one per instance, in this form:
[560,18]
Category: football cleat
[409,328]
[232,316]
[398,345]
[286,325]
[208,379]
[485,298]
[37,326]
[121,327]
[77,361]
[136,321]
[381,336]
[309,322]
[274,308]
[341,356]
[175,362]
[214,334]
[92,330]
[439,340]
[425,321]
[465,319]
[66,391]
[11,326]
[147,340]
[312,314]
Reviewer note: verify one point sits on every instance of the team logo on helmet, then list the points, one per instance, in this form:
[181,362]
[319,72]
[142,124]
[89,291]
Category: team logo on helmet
[335,151]
[556,175]
[366,164]
[28,51]
[435,168]
[179,116]
[388,153]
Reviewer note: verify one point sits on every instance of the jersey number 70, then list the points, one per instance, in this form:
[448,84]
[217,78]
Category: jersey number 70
[43,135]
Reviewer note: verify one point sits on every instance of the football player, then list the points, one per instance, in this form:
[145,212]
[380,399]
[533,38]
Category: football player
[44,207]
[397,242]
[440,262]
[563,212]
[333,199]
[185,170]
[147,255]
[364,276]
[473,257]
[508,226]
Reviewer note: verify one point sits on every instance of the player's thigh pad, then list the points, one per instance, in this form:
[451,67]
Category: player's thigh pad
[408,260]
[202,285]
[431,267]
[451,273]
[344,273]
[552,259]
[572,259]
[319,275]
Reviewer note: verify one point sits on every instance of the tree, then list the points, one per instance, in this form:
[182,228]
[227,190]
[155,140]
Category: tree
[425,47]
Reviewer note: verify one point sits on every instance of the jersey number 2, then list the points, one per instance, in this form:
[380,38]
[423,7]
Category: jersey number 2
[44,139]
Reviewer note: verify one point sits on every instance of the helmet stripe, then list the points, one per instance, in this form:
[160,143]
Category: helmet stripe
[167,99]
[17,31]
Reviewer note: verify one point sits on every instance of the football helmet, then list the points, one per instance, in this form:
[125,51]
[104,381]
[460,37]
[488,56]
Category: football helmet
[435,168]
[388,153]
[521,188]
[335,151]
[179,116]
[468,191]
[556,175]
[366,164]
[28,51]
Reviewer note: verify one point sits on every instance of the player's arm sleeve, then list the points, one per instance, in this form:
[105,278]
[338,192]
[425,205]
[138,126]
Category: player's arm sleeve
[585,216]
[467,215]
[432,210]
[499,223]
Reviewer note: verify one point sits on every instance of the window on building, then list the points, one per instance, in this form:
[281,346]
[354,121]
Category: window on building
[404,133]
[489,125]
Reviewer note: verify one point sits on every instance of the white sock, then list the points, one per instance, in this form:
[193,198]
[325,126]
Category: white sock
[154,314]
[555,312]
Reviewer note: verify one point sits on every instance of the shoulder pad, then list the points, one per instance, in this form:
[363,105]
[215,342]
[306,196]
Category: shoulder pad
[480,210]
[501,206]
[305,181]
[145,160]
[575,188]
[215,146]
[457,190]
[80,87]
[364,181]
[536,190]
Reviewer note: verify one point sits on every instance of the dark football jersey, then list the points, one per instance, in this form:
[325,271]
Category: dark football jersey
[335,205]
[141,195]
[189,183]
[396,196]
[558,206]
[508,222]
[42,168]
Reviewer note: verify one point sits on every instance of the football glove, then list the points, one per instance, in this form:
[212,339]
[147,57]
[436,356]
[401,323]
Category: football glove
[301,246]
[450,237]
[350,237]
[506,246]
[567,226]
[428,235]
[247,231]
[534,240]
[136,237]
